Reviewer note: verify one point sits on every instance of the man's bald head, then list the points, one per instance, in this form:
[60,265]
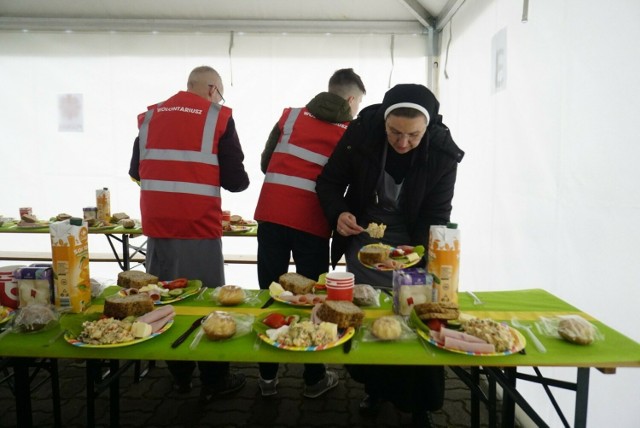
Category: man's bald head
[206,82]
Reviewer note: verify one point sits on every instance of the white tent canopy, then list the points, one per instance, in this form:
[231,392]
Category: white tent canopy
[547,195]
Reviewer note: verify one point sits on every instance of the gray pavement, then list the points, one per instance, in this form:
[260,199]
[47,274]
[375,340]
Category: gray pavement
[152,403]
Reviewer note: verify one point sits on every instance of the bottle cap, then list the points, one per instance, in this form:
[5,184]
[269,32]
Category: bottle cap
[452,225]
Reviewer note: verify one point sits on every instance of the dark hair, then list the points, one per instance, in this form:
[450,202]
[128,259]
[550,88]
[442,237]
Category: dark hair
[345,80]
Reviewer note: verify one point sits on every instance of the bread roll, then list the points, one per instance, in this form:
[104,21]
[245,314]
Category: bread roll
[229,295]
[219,325]
[577,330]
[386,328]
[374,254]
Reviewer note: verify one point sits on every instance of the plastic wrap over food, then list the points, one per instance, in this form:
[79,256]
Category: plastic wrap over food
[572,328]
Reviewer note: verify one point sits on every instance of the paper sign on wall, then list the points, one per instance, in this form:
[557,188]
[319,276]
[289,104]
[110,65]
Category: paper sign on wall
[70,113]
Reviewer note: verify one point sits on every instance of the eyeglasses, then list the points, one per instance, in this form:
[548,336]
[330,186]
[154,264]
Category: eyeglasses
[219,94]
[397,135]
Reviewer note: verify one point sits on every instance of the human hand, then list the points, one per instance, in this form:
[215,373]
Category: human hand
[347,225]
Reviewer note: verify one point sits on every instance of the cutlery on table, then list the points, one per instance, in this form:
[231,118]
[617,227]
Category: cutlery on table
[186,334]
[201,293]
[267,303]
[54,338]
[536,342]
[476,299]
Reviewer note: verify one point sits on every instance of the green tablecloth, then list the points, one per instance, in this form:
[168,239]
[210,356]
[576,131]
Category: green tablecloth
[616,350]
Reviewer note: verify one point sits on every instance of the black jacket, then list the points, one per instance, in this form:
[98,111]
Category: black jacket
[355,166]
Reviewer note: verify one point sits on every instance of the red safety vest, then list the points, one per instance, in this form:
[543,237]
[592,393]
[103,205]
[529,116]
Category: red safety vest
[288,196]
[179,171]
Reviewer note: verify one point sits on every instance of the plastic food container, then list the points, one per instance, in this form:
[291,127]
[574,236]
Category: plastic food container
[35,284]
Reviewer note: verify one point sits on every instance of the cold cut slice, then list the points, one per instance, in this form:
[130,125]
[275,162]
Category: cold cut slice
[151,317]
[480,348]
[447,332]
[157,325]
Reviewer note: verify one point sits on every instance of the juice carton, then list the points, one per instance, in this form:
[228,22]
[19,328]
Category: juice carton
[70,255]
[444,261]
[103,203]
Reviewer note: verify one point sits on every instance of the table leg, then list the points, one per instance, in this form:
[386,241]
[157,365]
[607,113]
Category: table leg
[475,400]
[22,392]
[508,404]
[125,252]
[582,397]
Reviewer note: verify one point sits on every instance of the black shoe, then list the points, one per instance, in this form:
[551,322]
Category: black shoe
[232,382]
[370,405]
[422,420]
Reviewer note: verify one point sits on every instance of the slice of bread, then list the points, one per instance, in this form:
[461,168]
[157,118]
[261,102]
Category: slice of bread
[374,254]
[341,312]
[296,283]
[439,311]
[135,279]
[120,307]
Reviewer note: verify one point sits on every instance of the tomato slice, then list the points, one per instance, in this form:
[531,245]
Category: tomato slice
[176,283]
[435,325]
[274,320]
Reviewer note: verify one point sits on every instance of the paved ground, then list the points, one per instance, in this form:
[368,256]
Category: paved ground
[151,403]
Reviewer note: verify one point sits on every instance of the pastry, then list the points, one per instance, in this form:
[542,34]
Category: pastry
[229,295]
[577,330]
[219,325]
[386,328]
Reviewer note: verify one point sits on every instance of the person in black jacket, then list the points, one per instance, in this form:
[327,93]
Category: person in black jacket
[397,164]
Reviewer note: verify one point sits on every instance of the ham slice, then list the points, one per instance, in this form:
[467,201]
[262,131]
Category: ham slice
[475,347]
[157,325]
[454,334]
[158,314]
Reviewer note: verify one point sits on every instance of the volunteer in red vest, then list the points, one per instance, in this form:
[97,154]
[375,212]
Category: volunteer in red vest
[186,151]
[291,220]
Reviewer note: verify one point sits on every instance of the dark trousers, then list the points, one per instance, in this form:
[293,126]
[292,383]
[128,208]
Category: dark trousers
[276,245]
[211,373]
[412,389]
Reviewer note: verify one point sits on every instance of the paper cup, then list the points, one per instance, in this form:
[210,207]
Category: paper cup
[340,293]
[340,279]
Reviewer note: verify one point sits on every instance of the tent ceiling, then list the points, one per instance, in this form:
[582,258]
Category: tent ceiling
[304,16]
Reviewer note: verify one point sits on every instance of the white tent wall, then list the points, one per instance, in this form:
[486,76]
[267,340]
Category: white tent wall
[119,74]
[547,194]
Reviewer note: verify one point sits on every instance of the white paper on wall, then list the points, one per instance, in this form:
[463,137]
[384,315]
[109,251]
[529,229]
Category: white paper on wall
[70,113]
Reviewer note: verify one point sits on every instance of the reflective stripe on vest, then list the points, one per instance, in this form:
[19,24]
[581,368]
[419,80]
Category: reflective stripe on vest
[203,156]
[180,187]
[288,180]
[285,147]
[297,151]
